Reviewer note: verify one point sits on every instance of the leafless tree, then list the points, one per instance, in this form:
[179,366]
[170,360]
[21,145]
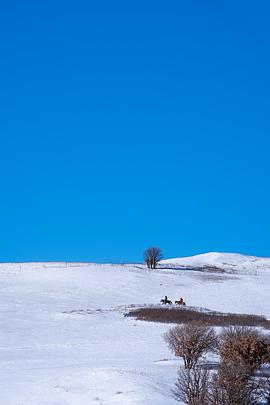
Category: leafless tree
[192,386]
[191,341]
[231,385]
[234,385]
[152,256]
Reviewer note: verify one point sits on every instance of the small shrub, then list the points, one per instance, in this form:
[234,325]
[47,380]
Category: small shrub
[191,341]
[240,345]
[234,385]
[192,386]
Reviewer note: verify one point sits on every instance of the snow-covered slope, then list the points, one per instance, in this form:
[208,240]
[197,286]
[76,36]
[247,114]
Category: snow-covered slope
[231,262]
[64,339]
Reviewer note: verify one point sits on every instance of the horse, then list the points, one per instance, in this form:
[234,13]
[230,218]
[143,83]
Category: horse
[164,302]
[180,302]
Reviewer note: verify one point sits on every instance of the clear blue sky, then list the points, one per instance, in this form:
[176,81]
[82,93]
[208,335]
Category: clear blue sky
[129,124]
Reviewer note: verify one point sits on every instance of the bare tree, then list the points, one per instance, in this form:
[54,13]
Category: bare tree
[152,256]
[191,341]
[237,381]
[234,385]
[192,386]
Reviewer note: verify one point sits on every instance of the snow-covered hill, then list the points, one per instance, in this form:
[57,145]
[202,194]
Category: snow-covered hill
[229,262]
[64,339]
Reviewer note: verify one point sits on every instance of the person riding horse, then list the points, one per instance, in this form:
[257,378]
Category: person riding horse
[166,301]
[180,302]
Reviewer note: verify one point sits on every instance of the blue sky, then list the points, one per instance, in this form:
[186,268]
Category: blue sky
[130,124]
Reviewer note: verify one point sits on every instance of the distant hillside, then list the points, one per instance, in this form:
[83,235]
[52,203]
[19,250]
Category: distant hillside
[229,262]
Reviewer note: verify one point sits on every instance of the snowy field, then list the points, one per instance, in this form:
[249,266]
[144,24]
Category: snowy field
[64,338]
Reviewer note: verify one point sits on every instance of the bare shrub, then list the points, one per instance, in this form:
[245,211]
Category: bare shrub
[192,386]
[230,385]
[152,256]
[241,345]
[191,341]
[234,385]
[185,315]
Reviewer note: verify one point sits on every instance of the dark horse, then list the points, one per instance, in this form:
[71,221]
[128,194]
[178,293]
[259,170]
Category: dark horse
[166,301]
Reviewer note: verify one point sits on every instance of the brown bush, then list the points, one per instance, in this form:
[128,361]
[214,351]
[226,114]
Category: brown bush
[230,385]
[234,385]
[192,386]
[185,315]
[191,341]
[241,345]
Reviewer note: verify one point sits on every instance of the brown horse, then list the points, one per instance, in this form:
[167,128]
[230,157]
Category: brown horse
[180,302]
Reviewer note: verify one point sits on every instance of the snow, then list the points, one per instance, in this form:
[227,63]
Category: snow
[230,262]
[64,339]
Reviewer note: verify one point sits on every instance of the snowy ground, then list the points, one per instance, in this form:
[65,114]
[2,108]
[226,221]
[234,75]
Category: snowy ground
[229,262]
[64,338]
